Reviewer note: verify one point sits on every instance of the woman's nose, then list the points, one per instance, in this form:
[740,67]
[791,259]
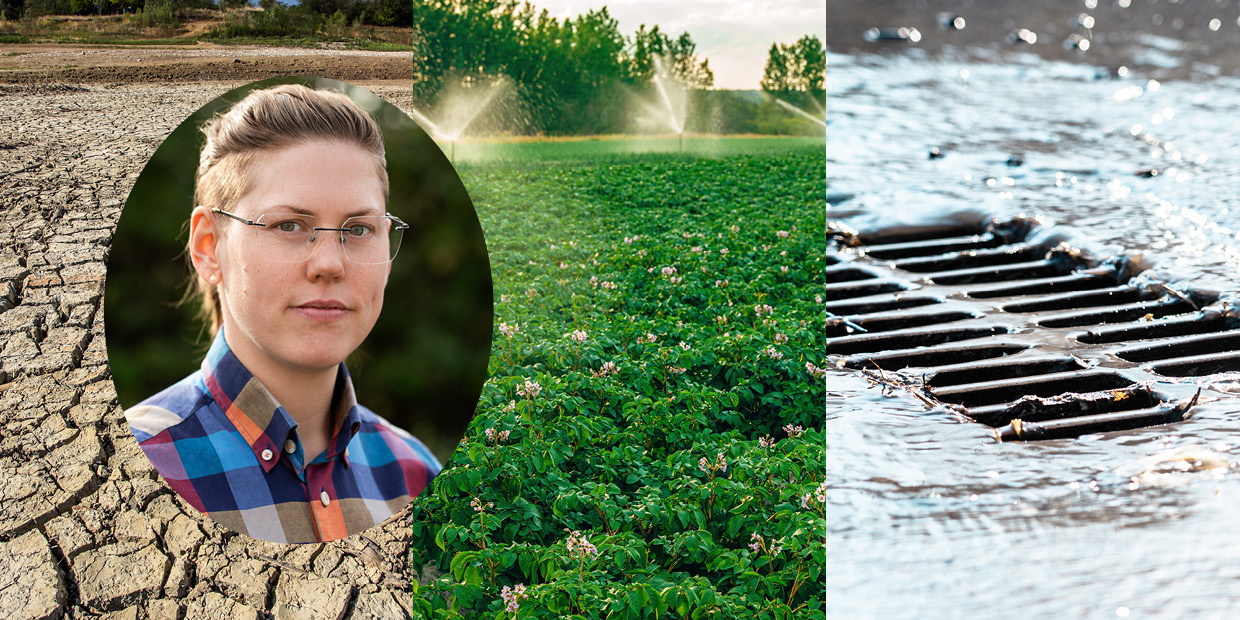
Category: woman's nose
[326,262]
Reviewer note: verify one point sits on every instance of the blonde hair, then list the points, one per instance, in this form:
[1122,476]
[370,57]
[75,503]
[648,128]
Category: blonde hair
[264,121]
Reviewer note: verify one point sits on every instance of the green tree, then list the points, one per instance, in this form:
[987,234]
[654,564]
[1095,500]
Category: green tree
[796,72]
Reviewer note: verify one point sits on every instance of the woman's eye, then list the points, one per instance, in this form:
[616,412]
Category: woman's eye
[358,230]
[288,227]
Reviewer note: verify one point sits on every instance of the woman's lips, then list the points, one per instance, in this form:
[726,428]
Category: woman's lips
[321,310]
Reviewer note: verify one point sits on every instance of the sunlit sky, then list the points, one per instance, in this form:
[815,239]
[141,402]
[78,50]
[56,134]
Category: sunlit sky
[734,34]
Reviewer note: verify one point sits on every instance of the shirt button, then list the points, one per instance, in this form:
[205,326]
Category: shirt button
[290,446]
[324,498]
[267,455]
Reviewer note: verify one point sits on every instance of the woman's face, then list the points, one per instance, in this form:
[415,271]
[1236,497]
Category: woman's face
[306,315]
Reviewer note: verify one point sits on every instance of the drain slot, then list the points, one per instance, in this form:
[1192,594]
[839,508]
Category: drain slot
[934,246]
[1185,326]
[972,258]
[888,322]
[850,274]
[1088,299]
[938,356]
[1004,369]
[850,307]
[1119,314]
[1180,347]
[994,392]
[1038,409]
[907,339]
[848,290]
[1199,365]
[1080,281]
[1020,271]
[1101,423]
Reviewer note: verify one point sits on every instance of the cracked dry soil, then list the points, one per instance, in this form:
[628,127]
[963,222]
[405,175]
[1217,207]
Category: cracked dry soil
[87,528]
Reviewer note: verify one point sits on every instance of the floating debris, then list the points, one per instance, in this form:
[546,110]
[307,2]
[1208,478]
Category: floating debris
[1147,172]
[1015,160]
[935,153]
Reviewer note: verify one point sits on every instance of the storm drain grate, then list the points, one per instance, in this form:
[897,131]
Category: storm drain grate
[1010,325]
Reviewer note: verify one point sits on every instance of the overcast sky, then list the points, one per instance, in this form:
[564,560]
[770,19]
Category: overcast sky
[734,34]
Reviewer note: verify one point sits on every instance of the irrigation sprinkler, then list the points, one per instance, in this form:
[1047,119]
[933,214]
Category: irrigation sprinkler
[460,109]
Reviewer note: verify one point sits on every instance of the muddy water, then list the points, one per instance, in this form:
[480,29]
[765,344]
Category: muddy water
[928,516]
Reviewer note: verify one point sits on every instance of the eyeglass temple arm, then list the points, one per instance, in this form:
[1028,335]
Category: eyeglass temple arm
[236,217]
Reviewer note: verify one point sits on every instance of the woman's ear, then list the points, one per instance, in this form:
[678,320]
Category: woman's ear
[202,244]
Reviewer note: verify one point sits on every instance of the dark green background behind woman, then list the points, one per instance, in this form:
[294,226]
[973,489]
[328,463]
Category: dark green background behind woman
[425,360]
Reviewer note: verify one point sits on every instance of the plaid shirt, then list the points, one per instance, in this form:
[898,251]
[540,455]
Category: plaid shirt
[224,444]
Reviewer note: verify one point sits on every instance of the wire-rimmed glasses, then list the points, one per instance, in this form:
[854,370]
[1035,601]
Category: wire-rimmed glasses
[290,237]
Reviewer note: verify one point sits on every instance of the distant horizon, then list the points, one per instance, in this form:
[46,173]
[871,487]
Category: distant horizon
[734,36]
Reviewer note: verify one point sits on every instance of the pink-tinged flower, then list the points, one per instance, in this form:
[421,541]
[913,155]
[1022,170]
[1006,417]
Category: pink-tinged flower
[793,431]
[765,247]
[668,271]
[723,251]
[513,597]
[608,369]
[675,370]
[734,228]
[563,265]
[478,506]
[628,241]
[817,299]
[490,433]
[696,248]
[641,252]
[783,252]
[503,436]
[529,389]
[821,492]
[781,339]
[509,330]
[720,319]
[676,279]
[762,309]
[647,339]
[704,465]
[766,441]
[755,542]
[684,345]
[609,285]
[572,244]
[783,269]
[581,546]
[593,280]
[776,549]
[503,299]
[783,234]
[772,353]
[530,293]
[815,371]
[578,336]
[511,406]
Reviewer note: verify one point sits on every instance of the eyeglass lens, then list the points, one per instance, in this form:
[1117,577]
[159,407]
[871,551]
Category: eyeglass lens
[290,237]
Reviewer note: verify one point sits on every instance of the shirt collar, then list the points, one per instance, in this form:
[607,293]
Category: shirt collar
[260,419]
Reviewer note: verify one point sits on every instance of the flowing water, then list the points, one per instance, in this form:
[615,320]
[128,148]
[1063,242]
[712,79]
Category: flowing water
[929,517]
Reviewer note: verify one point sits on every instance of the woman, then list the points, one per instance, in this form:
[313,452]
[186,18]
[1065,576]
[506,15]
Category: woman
[291,246]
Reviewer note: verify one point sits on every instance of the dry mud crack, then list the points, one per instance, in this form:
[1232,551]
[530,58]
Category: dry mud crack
[86,527]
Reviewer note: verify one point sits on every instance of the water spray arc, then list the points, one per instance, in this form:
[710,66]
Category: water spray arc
[792,108]
[663,81]
[461,107]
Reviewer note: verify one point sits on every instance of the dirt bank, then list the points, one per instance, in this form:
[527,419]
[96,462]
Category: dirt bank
[93,64]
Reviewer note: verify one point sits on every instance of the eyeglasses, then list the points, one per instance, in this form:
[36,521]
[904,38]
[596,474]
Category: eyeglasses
[290,237]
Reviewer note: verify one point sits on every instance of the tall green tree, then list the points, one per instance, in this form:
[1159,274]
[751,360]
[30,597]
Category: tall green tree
[797,71]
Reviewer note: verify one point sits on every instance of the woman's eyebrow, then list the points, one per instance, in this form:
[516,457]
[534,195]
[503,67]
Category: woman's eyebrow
[304,211]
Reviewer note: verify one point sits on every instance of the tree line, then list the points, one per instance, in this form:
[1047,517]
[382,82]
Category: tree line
[576,75]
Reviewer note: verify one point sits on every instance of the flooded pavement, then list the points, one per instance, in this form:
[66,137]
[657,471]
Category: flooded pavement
[929,516]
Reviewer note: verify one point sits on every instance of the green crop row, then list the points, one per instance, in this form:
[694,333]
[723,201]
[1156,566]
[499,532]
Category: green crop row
[649,442]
